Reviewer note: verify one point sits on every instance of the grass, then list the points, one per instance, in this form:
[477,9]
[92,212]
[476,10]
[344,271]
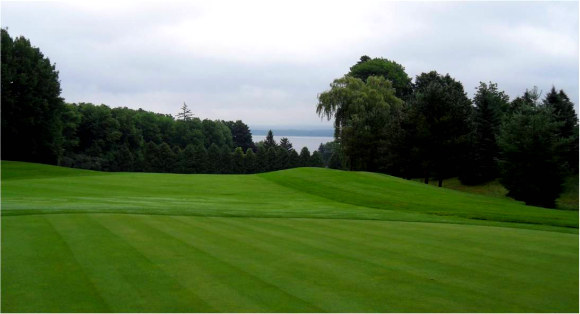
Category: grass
[568,200]
[300,240]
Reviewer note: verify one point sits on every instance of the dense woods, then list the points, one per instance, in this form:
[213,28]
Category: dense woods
[384,122]
[38,126]
[429,128]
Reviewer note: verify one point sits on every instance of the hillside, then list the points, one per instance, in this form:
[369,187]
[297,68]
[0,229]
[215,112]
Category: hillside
[299,240]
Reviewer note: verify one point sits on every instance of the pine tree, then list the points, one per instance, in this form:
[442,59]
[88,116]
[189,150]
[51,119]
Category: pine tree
[305,157]
[270,142]
[285,143]
[185,114]
[238,161]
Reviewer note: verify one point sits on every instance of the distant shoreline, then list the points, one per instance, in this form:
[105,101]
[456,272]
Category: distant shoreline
[294,132]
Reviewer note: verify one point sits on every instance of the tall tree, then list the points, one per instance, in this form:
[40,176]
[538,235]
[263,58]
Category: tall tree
[31,103]
[285,144]
[270,142]
[364,114]
[563,112]
[304,157]
[388,69]
[442,114]
[238,162]
[481,163]
[530,166]
[184,113]
[241,135]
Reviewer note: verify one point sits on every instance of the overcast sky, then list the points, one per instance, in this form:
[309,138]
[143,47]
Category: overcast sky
[265,62]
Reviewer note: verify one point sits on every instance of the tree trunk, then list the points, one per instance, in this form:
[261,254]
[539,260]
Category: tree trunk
[440,182]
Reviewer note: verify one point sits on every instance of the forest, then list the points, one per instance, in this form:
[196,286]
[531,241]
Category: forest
[384,122]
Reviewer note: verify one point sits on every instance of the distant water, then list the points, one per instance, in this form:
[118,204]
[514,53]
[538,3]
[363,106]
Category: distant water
[311,142]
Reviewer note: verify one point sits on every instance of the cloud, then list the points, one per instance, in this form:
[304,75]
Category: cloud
[265,62]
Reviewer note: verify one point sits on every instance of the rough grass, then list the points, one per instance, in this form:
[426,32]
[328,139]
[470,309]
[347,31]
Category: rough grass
[568,200]
[302,240]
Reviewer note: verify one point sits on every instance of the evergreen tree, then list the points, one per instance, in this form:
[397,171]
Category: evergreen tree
[238,162]
[186,160]
[151,157]
[250,163]
[316,159]
[166,158]
[213,159]
[563,112]
[241,135]
[293,159]
[442,118]
[335,161]
[270,142]
[481,165]
[304,160]
[285,144]
[530,166]
[31,103]
[282,158]
[226,161]
[262,163]
[271,162]
[184,113]
[200,159]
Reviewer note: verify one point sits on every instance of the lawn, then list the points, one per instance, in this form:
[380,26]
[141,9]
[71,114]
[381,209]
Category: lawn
[300,240]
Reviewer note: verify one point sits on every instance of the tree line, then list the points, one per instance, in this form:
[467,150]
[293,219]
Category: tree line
[38,126]
[429,128]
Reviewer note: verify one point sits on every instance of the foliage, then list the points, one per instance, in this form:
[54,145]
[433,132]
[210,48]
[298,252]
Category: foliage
[531,164]
[185,113]
[441,113]
[32,108]
[388,69]
[481,165]
[363,113]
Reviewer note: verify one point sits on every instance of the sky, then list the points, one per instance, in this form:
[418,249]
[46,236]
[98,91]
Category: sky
[265,62]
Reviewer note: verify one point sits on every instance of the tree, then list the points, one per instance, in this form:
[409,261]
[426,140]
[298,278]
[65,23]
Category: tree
[238,162]
[250,163]
[293,159]
[388,69]
[365,114]
[530,166]
[241,135]
[31,103]
[213,159]
[304,157]
[335,161]
[285,144]
[481,164]
[562,110]
[184,114]
[316,159]
[441,113]
[270,142]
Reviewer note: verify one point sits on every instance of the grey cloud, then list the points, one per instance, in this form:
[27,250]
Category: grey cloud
[126,57]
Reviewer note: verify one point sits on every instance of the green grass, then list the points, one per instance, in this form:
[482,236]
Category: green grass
[300,240]
[568,200]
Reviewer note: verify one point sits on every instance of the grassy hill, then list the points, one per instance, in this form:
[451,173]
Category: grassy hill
[300,240]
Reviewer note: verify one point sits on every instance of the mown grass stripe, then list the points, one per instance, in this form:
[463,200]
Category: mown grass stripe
[157,290]
[363,272]
[269,297]
[298,273]
[118,271]
[458,264]
[40,272]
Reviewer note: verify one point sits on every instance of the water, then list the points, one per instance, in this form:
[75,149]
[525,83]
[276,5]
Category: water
[311,142]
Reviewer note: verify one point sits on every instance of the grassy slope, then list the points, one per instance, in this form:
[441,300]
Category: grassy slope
[242,257]
[568,200]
